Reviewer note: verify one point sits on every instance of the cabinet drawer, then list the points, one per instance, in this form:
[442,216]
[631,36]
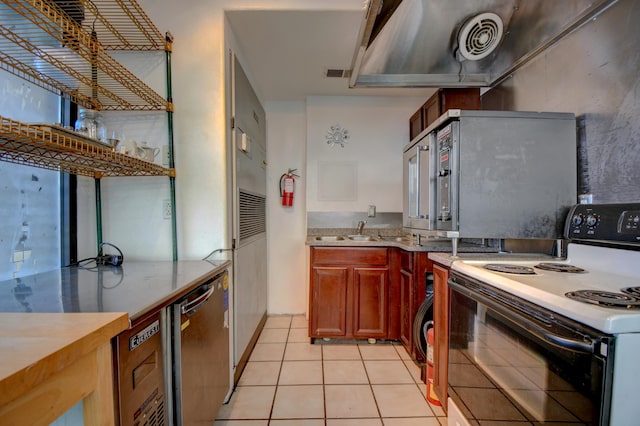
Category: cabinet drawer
[349,256]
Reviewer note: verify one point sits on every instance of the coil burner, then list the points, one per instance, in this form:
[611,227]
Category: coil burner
[510,269]
[633,291]
[559,267]
[606,298]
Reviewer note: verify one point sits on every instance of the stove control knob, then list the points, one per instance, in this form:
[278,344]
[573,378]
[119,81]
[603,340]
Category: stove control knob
[592,220]
[577,219]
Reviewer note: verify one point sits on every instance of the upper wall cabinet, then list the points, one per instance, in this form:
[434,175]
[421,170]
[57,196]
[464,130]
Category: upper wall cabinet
[62,47]
[441,101]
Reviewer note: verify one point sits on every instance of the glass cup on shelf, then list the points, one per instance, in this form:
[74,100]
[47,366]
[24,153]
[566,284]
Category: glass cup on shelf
[90,124]
[114,140]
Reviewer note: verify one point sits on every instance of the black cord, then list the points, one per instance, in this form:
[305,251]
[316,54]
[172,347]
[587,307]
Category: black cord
[109,259]
[79,262]
[101,258]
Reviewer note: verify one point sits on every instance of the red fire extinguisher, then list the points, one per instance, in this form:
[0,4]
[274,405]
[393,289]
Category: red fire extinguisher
[287,187]
[431,395]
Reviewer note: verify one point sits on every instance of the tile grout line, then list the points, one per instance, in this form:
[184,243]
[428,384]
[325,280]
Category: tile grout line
[275,393]
[324,384]
[324,387]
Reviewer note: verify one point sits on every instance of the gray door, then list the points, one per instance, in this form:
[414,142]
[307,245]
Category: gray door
[249,210]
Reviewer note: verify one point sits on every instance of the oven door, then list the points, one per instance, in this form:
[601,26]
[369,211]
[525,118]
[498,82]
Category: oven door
[448,172]
[419,185]
[513,361]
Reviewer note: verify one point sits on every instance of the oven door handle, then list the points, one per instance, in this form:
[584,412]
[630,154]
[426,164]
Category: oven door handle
[419,149]
[587,346]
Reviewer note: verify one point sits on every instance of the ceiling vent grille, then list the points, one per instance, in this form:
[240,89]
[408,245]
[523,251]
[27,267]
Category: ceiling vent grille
[338,73]
[480,36]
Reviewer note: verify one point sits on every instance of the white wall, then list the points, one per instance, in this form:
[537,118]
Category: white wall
[378,130]
[199,52]
[286,226]
[199,89]
[296,139]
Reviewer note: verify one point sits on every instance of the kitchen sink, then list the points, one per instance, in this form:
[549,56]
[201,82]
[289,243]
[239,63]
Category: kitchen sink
[361,238]
[330,238]
[398,239]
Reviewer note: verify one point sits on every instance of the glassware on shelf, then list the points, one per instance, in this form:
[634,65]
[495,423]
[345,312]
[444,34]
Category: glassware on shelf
[90,123]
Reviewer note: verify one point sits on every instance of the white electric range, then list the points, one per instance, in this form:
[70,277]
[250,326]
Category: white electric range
[574,321]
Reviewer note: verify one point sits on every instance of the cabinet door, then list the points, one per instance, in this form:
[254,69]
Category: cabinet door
[329,301]
[460,98]
[445,99]
[370,302]
[415,124]
[393,295]
[406,311]
[441,332]
[431,109]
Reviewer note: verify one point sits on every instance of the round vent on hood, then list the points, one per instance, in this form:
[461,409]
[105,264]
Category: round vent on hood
[480,36]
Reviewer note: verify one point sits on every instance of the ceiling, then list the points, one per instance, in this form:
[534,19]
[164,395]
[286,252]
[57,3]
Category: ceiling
[287,53]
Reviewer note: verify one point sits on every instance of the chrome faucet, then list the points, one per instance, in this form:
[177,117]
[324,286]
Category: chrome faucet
[360,226]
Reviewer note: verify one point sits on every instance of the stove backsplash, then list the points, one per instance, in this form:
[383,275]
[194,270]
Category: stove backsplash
[384,223]
[390,224]
[593,73]
[530,246]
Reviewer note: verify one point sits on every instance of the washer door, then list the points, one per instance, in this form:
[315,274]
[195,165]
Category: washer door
[424,315]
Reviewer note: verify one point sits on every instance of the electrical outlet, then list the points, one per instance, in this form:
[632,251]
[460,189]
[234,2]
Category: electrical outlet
[166,209]
[372,211]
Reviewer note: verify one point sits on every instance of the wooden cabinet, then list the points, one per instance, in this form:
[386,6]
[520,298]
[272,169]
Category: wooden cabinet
[407,294]
[349,295]
[412,271]
[441,101]
[416,124]
[50,361]
[441,332]
[329,300]
[370,285]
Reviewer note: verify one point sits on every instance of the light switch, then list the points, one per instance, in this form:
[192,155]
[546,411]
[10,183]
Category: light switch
[245,143]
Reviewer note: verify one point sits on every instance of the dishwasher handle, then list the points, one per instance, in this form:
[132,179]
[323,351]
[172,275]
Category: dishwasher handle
[194,306]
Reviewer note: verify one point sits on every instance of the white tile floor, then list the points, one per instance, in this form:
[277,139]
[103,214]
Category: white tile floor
[289,381]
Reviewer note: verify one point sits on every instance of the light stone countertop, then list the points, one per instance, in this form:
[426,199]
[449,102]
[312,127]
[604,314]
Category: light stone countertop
[447,259]
[388,240]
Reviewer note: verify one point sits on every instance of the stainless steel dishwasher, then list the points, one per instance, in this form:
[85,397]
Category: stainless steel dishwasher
[200,352]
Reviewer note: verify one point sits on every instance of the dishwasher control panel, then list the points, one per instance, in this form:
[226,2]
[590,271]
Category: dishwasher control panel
[140,374]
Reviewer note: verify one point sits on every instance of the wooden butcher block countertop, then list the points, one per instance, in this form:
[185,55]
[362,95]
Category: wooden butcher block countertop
[49,362]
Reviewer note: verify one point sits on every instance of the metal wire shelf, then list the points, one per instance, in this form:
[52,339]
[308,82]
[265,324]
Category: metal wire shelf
[46,148]
[119,25]
[62,46]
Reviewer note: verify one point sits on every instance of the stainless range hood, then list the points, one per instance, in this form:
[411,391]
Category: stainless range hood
[461,43]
